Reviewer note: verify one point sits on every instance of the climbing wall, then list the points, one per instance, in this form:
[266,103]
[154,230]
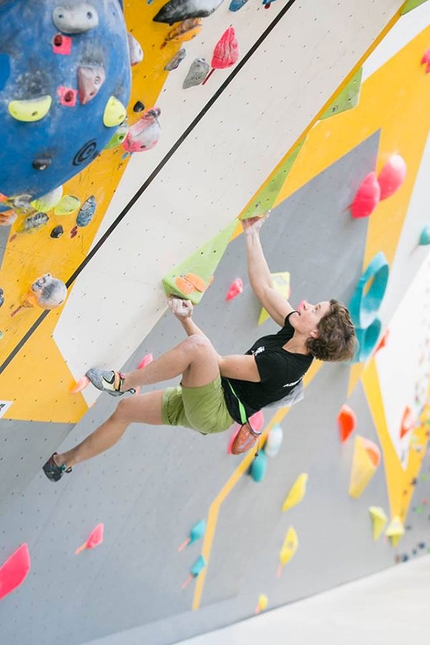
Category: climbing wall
[309,109]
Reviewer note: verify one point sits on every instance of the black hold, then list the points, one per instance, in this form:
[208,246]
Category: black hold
[405,558]
[41,163]
[1,297]
[57,232]
[178,10]
[408,528]
[414,551]
[414,482]
[421,545]
[138,106]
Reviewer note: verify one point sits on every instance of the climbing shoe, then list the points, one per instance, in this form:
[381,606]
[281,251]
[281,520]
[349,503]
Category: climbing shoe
[54,472]
[107,381]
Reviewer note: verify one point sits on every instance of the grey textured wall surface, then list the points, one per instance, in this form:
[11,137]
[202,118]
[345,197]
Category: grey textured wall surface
[156,483]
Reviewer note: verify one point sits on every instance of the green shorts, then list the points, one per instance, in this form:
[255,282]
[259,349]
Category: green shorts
[200,408]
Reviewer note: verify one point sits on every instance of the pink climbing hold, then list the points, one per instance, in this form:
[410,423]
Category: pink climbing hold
[14,571]
[236,288]
[367,197]
[392,176]
[226,52]
[62,44]
[145,361]
[257,421]
[426,60]
[95,538]
[80,385]
[144,134]
[67,96]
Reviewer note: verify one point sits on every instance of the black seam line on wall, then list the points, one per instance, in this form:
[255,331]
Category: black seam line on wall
[153,175]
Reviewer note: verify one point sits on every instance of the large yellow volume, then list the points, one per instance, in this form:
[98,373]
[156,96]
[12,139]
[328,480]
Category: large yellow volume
[364,464]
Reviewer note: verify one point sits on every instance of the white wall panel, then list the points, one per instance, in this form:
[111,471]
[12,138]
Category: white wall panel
[213,174]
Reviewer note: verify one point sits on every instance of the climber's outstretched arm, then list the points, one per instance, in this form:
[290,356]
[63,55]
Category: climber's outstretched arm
[259,274]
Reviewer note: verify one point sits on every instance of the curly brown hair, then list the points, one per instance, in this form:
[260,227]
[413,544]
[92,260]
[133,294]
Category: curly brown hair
[336,340]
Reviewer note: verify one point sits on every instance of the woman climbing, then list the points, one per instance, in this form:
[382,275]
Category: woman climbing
[217,390]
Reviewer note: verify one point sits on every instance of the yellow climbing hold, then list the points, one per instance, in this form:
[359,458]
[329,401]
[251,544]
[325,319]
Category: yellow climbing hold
[289,548]
[262,603]
[114,113]
[296,493]
[66,205]
[31,109]
[48,201]
[281,284]
[364,464]
[379,520]
[395,530]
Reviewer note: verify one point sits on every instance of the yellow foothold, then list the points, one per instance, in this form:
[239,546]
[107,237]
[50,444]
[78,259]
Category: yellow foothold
[114,113]
[66,205]
[47,202]
[31,109]
[296,493]
[262,603]
[395,530]
[289,549]
[379,520]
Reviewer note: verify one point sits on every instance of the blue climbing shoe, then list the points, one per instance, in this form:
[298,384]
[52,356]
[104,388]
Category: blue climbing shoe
[107,381]
[54,472]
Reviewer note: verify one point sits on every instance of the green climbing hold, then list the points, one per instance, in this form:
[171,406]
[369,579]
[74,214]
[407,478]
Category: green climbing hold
[267,197]
[118,137]
[412,4]
[30,110]
[114,113]
[191,278]
[346,99]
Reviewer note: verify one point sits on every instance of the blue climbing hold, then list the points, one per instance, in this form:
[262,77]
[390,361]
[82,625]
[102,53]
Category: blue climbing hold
[235,5]
[86,212]
[365,303]
[425,236]
[259,467]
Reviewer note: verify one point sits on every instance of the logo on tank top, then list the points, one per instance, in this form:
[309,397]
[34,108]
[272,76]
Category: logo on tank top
[258,351]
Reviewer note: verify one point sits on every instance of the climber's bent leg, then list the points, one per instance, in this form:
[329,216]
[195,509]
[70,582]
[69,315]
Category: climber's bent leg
[195,359]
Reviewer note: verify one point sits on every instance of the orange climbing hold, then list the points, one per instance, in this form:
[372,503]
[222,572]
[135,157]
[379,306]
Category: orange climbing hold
[347,422]
[367,197]
[80,385]
[408,422]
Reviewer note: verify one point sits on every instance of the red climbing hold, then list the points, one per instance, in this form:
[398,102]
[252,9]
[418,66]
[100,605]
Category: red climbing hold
[235,289]
[383,341]
[347,422]
[14,571]
[367,197]
[226,52]
[145,361]
[392,176]
[426,60]
[95,538]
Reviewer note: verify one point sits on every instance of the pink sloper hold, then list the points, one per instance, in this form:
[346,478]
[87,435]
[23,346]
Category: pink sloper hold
[95,538]
[226,52]
[392,176]
[14,571]
[144,134]
[235,289]
[367,197]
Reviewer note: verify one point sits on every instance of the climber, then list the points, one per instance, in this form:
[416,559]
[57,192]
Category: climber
[217,390]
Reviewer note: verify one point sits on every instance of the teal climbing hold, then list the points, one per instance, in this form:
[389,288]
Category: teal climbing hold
[367,339]
[196,533]
[77,19]
[412,4]
[425,236]
[346,99]
[258,467]
[364,304]
[198,566]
